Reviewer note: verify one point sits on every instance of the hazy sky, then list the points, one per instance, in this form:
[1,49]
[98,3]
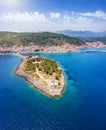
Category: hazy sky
[52,15]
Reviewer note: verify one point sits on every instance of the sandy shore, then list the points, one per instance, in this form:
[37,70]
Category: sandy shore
[37,84]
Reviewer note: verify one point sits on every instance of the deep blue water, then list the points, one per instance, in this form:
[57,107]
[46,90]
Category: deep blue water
[82,106]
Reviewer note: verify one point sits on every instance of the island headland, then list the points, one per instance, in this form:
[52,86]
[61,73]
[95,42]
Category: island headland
[45,75]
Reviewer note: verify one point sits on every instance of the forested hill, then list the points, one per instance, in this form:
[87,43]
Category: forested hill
[44,38]
[95,39]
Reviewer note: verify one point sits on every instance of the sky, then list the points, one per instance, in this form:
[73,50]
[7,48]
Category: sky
[52,15]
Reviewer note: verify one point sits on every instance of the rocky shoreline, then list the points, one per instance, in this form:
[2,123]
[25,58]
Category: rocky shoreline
[35,83]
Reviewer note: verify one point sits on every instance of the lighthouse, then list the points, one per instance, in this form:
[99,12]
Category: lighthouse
[53,83]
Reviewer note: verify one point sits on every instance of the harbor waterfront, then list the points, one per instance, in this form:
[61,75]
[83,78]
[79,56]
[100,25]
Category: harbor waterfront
[82,106]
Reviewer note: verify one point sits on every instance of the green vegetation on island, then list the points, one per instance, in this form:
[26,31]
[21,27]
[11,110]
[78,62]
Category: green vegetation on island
[45,66]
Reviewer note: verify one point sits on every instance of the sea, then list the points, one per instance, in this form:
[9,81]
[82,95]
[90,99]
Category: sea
[81,107]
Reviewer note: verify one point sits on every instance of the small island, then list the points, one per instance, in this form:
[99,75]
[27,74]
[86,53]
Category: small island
[43,74]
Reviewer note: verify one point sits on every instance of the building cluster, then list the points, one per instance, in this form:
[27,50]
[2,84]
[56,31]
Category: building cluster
[65,47]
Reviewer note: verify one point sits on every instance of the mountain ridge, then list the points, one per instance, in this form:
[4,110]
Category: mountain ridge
[83,34]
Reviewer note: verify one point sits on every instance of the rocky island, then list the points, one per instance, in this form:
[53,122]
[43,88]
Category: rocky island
[43,74]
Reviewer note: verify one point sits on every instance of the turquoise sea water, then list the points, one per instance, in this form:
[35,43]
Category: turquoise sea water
[82,106]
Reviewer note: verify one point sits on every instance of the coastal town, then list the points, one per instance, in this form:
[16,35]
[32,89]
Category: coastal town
[65,47]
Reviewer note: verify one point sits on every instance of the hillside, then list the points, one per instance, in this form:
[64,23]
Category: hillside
[44,38]
[100,39]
